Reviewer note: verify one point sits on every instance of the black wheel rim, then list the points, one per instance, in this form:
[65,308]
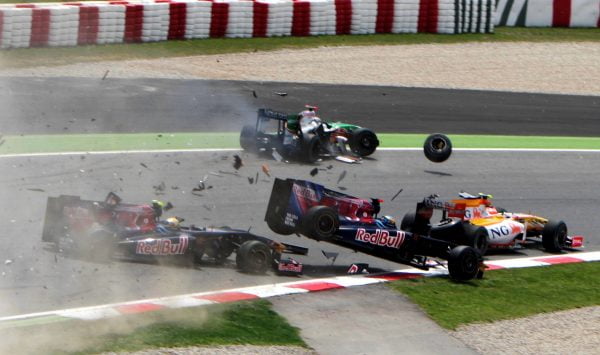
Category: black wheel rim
[259,259]
[438,144]
[366,142]
[326,224]
[470,263]
[561,236]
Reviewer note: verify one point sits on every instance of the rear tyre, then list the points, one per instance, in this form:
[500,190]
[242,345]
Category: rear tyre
[463,263]
[320,223]
[248,138]
[408,222]
[363,142]
[437,147]
[311,148]
[477,238]
[254,257]
[554,236]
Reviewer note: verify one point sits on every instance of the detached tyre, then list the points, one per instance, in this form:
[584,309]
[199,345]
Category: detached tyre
[408,222]
[437,147]
[248,138]
[463,263]
[554,236]
[254,257]
[320,223]
[363,142]
[311,148]
[477,238]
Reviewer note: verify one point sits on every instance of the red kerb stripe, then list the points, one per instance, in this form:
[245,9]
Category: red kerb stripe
[1,26]
[261,18]
[393,276]
[301,18]
[559,260]
[40,27]
[228,297]
[385,16]
[177,20]
[343,16]
[219,19]
[561,14]
[316,286]
[138,308]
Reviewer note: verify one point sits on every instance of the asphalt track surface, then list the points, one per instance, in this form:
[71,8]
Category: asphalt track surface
[36,278]
[80,105]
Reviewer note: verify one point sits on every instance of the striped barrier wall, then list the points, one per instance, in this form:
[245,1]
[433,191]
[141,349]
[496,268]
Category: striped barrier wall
[121,21]
[271,290]
[547,13]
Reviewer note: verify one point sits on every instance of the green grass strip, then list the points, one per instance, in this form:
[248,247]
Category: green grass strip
[32,321]
[27,57]
[181,141]
[505,294]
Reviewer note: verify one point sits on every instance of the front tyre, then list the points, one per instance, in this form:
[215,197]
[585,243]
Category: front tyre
[437,147]
[311,148]
[254,257]
[464,263]
[477,237]
[554,236]
[248,138]
[320,223]
[363,142]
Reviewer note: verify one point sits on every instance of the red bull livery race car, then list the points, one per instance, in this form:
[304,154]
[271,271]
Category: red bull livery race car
[103,229]
[474,221]
[304,207]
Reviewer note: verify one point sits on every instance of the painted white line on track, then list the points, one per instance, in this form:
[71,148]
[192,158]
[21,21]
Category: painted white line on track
[213,150]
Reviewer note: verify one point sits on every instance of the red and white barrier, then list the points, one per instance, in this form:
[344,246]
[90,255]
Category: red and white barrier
[548,13]
[124,21]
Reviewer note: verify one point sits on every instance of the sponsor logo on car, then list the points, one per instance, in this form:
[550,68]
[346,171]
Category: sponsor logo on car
[381,237]
[302,191]
[162,246]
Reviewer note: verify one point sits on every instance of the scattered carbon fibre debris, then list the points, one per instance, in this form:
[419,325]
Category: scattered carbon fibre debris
[396,195]
[93,120]
[174,187]
[254,94]
[282,94]
[8,262]
[266,170]
[229,173]
[215,174]
[145,166]
[314,172]
[160,188]
[277,156]
[36,190]
[330,255]
[159,135]
[177,162]
[342,188]
[237,163]
[251,180]
[329,167]
[342,176]
[168,206]
[82,157]
[105,75]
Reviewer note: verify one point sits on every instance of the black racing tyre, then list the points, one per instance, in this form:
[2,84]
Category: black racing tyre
[277,226]
[437,147]
[477,237]
[311,148]
[248,138]
[363,142]
[463,263]
[408,222]
[320,223]
[254,257]
[554,236]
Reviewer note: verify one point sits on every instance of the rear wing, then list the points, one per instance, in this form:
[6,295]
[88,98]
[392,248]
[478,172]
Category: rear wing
[279,200]
[449,208]
[265,114]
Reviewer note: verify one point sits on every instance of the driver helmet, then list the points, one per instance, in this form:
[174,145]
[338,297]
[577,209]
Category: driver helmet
[389,221]
[309,112]
[172,222]
[158,206]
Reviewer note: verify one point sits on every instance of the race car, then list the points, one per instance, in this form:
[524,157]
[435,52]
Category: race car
[473,220]
[310,209]
[307,138]
[103,229]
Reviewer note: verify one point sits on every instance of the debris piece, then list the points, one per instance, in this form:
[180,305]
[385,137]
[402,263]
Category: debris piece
[314,172]
[329,167]
[282,94]
[237,164]
[330,255]
[174,187]
[251,180]
[215,174]
[37,190]
[178,163]
[8,262]
[342,188]
[342,176]
[266,170]
[348,159]
[254,94]
[396,195]
[168,206]
[358,268]
[93,120]
[159,136]
[276,155]
[256,178]
[145,166]
[105,75]
[160,188]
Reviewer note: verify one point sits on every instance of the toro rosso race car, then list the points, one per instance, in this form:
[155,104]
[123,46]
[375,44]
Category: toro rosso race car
[474,221]
[306,137]
[103,229]
[298,206]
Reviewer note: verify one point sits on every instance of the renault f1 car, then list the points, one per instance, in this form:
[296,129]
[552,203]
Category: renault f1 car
[304,207]
[473,220]
[103,229]
[308,139]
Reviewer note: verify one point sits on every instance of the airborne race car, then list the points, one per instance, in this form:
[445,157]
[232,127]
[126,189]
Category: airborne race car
[298,206]
[474,221]
[315,139]
[103,229]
